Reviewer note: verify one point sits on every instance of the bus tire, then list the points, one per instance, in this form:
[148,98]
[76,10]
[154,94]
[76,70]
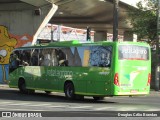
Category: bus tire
[69,91]
[98,98]
[22,86]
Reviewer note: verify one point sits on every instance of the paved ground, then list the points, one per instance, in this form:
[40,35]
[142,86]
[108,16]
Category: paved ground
[152,92]
[12,100]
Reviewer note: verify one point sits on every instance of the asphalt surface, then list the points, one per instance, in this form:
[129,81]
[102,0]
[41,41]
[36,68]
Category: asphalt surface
[57,105]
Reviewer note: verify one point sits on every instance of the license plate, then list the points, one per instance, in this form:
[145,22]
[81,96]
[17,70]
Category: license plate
[134,91]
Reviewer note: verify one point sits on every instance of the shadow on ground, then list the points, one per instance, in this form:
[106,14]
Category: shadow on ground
[40,96]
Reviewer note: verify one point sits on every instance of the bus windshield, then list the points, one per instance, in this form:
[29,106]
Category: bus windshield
[133,52]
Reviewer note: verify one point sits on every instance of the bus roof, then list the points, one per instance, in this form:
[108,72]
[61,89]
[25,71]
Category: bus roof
[76,43]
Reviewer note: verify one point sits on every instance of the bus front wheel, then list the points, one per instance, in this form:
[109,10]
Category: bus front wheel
[22,86]
[69,91]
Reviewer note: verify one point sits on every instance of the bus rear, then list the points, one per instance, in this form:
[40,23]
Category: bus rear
[133,69]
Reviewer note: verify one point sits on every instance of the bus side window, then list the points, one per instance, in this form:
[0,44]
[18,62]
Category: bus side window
[54,61]
[45,58]
[106,56]
[34,57]
[14,61]
[69,56]
[26,57]
[40,60]
[61,57]
[77,59]
[100,56]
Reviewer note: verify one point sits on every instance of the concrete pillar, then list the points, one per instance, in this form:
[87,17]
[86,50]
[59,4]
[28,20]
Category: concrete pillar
[100,36]
[45,20]
[129,36]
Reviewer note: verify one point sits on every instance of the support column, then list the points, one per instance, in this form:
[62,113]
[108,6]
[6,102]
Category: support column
[157,79]
[100,36]
[45,21]
[115,20]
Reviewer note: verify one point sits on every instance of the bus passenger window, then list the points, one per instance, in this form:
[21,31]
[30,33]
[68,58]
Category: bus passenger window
[61,56]
[45,59]
[54,61]
[26,58]
[34,57]
[69,56]
[77,59]
[100,56]
[14,61]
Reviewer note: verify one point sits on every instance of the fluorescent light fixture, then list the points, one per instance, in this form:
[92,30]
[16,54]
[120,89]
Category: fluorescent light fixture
[102,0]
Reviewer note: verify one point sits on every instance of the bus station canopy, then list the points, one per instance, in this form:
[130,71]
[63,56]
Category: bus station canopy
[96,14]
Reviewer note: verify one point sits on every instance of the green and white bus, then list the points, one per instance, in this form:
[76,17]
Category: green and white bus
[96,69]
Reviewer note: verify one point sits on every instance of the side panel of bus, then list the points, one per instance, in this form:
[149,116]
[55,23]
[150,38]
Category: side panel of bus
[89,69]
